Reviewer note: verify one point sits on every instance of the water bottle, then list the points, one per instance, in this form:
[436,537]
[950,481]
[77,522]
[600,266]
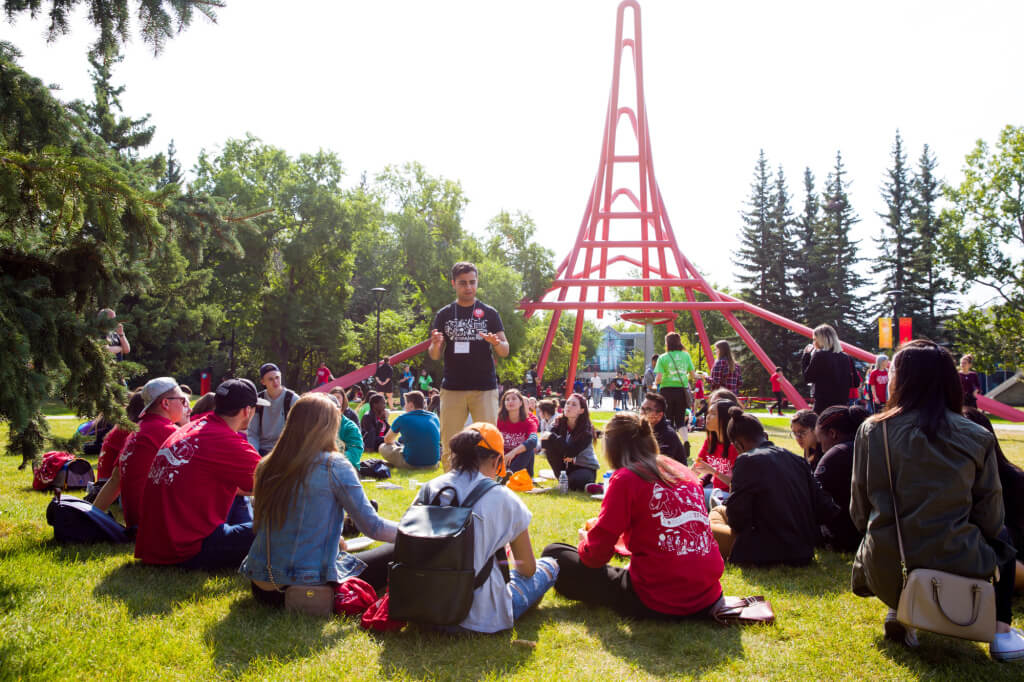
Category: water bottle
[563,482]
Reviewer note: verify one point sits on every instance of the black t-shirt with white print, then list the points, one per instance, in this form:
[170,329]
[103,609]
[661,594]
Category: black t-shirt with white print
[468,364]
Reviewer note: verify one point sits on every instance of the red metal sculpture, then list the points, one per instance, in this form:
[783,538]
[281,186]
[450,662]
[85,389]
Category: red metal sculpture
[662,265]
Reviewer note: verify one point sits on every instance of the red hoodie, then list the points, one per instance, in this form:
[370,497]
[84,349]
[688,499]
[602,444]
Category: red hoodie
[676,563]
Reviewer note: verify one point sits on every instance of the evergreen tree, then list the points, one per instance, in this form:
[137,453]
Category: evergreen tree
[933,285]
[123,134]
[809,267]
[159,19]
[839,288]
[172,175]
[897,243]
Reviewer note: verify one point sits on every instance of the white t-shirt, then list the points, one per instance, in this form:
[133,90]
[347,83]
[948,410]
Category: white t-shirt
[596,382]
[498,518]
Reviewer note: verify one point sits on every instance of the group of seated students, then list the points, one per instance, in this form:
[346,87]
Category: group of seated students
[185,486]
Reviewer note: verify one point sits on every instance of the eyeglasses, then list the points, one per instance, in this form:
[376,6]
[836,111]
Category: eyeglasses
[183,399]
[647,410]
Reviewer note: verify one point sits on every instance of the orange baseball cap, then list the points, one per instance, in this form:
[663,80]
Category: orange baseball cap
[491,439]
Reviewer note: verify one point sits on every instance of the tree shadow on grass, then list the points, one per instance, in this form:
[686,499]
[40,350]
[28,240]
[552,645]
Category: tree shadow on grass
[661,648]
[157,590]
[251,633]
[828,574]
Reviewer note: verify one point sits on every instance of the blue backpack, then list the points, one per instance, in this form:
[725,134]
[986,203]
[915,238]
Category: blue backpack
[75,520]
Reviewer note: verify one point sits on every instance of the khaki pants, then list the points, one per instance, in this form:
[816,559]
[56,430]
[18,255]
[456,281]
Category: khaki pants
[392,454]
[720,528]
[456,406]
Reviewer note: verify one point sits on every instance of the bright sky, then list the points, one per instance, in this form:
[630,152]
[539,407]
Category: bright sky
[510,98]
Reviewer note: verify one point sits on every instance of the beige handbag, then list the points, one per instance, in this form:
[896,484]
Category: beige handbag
[313,600]
[940,602]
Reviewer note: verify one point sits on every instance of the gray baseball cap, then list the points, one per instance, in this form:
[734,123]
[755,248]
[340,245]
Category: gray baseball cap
[155,388]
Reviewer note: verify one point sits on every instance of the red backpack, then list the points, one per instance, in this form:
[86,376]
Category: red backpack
[63,471]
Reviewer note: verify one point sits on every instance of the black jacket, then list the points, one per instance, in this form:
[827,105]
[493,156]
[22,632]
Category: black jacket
[775,508]
[832,376]
[669,443]
[833,473]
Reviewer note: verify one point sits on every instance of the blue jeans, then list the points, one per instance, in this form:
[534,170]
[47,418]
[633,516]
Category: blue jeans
[598,394]
[228,544]
[528,591]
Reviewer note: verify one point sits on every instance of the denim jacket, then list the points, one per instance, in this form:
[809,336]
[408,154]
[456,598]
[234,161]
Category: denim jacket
[304,551]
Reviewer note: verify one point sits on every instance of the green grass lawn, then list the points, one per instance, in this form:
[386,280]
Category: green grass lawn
[92,611]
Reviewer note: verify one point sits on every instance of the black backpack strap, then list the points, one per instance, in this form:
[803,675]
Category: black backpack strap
[259,414]
[478,491]
[289,394]
[436,502]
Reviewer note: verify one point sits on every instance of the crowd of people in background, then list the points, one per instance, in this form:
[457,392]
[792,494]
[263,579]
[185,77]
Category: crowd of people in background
[261,480]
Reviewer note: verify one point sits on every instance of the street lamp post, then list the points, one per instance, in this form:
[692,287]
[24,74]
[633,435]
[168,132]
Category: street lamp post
[379,293]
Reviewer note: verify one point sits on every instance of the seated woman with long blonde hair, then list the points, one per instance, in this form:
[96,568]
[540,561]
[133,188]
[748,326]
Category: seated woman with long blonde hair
[303,489]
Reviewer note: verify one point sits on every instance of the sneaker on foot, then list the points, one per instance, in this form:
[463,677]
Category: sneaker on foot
[898,632]
[1007,646]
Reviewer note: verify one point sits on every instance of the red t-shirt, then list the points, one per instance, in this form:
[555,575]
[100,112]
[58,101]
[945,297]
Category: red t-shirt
[112,446]
[698,389]
[135,459]
[878,380]
[719,462]
[323,375]
[676,563]
[191,485]
[776,384]
[516,433]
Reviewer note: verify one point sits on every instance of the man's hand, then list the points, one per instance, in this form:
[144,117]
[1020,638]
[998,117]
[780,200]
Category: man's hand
[490,338]
[436,341]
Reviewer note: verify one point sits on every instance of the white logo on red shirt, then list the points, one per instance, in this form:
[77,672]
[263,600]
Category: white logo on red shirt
[684,523]
[169,459]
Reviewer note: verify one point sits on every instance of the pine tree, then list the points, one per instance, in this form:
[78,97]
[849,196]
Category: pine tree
[933,285]
[839,289]
[124,135]
[172,174]
[112,19]
[897,243]
[809,266]
[764,259]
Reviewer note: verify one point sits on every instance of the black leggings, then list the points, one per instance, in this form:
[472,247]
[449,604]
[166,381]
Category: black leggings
[780,400]
[1004,586]
[375,573]
[677,399]
[578,477]
[605,586]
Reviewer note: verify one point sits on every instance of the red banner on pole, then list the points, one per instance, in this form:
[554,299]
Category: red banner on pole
[906,330]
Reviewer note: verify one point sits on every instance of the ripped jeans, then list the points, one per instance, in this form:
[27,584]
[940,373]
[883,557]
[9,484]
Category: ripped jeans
[528,591]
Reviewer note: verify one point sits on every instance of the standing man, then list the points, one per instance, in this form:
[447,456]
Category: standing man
[530,382]
[116,341]
[264,430]
[467,332]
[405,385]
[597,385]
[650,376]
[323,375]
[385,380]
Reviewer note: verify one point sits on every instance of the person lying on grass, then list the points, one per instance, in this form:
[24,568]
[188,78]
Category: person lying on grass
[303,489]
[658,504]
[776,506]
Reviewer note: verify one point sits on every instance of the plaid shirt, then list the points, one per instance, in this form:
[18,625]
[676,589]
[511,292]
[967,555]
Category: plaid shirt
[722,377]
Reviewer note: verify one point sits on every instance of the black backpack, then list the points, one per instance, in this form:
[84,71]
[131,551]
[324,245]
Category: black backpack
[76,520]
[431,579]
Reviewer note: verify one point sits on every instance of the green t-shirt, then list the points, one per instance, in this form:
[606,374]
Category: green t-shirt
[425,383]
[674,367]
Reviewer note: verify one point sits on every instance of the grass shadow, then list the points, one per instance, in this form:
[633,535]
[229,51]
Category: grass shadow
[157,590]
[662,649]
[422,653]
[946,658]
[251,634]
[828,574]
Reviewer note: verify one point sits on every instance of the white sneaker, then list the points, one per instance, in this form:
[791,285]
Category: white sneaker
[1007,646]
[898,632]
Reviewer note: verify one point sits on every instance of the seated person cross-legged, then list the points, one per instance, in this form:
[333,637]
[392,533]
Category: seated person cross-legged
[835,430]
[374,423]
[303,489]
[657,504]
[776,506]
[518,430]
[500,519]
[421,436]
[193,513]
[569,446]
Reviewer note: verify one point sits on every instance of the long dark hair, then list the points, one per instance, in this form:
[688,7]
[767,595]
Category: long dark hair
[503,413]
[725,353]
[583,424]
[1011,476]
[745,426]
[924,379]
[722,407]
[844,420]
